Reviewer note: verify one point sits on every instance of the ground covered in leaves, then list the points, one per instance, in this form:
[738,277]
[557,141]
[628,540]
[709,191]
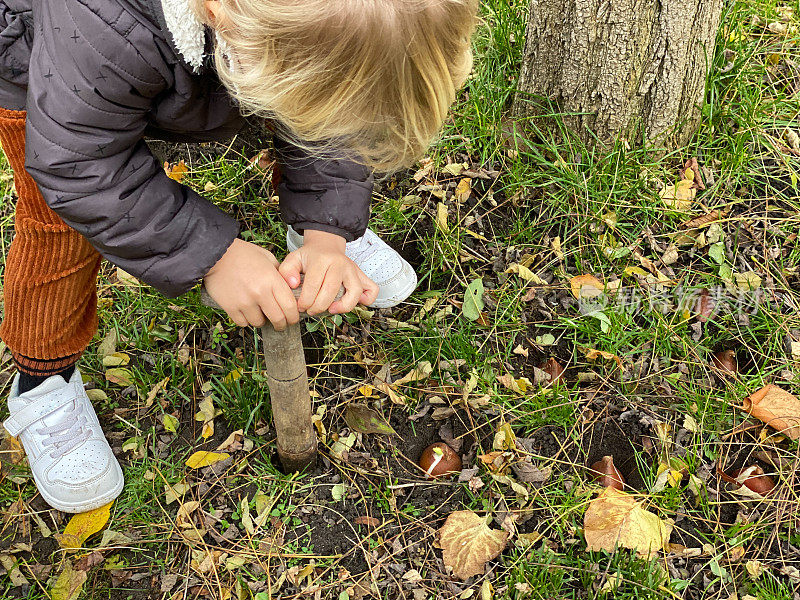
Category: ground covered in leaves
[608,340]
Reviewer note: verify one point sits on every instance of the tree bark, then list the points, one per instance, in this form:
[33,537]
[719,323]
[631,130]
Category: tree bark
[634,69]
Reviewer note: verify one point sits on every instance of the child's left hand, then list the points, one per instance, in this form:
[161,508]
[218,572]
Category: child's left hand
[327,269]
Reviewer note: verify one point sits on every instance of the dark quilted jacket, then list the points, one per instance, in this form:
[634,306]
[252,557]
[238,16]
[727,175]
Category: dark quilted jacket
[96,77]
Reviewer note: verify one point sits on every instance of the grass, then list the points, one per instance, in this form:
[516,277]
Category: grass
[561,209]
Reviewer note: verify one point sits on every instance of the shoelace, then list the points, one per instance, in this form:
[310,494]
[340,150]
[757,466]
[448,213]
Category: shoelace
[68,433]
[365,246]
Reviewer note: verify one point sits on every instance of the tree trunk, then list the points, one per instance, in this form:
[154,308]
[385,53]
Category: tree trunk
[634,69]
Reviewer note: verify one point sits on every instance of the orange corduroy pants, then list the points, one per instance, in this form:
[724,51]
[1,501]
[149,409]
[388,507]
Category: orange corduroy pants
[49,287]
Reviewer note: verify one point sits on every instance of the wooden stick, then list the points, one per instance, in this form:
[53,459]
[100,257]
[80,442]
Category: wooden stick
[287,378]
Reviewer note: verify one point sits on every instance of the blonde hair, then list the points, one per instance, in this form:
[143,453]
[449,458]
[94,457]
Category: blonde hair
[372,78]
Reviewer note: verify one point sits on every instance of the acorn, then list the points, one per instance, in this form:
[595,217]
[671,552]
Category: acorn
[439,460]
[725,362]
[606,474]
[553,369]
[755,479]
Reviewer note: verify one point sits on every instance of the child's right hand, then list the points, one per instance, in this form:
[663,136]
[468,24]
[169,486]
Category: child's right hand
[246,284]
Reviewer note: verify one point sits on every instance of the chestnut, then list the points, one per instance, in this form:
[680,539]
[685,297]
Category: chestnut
[755,479]
[606,474]
[725,361]
[439,460]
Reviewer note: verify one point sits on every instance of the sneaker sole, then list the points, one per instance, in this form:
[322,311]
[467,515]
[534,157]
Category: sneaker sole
[397,298]
[79,507]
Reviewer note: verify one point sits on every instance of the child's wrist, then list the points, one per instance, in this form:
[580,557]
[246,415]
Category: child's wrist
[331,241]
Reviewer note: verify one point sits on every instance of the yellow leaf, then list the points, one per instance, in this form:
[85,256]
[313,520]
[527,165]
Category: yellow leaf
[454,169]
[777,408]
[83,525]
[586,286]
[747,281]
[463,189]
[116,359]
[441,218]
[208,430]
[232,376]
[69,584]
[367,391]
[615,519]
[635,271]
[526,274]
[468,543]
[170,423]
[176,171]
[108,345]
[120,376]
[204,458]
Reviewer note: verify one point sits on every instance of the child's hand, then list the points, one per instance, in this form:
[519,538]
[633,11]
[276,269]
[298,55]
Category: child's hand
[326,268]
[246,284]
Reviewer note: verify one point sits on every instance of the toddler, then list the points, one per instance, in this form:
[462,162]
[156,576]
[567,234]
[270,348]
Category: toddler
[351,87]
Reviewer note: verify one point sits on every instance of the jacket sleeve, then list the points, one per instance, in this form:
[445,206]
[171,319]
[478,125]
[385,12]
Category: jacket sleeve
[88,100]
[322,194]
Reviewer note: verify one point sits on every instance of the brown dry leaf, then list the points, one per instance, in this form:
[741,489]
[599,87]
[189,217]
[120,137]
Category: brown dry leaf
[777,408]
[176,171]
[681,195]
[127,279]
[592,354]
[84,525]
[204,458]
[11,452]
[586,286]
[420,372]
[69,584]
[468,543]
[616,519]
[369,521]
[151,395]
[703,220]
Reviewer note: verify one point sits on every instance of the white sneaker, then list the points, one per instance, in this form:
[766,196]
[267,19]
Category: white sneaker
[72,464]
[394,276]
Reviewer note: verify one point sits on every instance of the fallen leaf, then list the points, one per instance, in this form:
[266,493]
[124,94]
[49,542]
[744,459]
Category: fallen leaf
[747,281]
[363,419]
[151,395]
[463,189]
[616,519]
[777,408]
[108,345]
[468,543]
[441,218]
[204,458]
[586,286]
[681,195]
[116,359]
[69,584]
[473,300]
[370,521]
[454,169]
[525,273]
[420,372]
[120,376]
[176,171]
[170,423]
[13,573]
[127,279]
[83,525]
[517,385]
[592,354]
